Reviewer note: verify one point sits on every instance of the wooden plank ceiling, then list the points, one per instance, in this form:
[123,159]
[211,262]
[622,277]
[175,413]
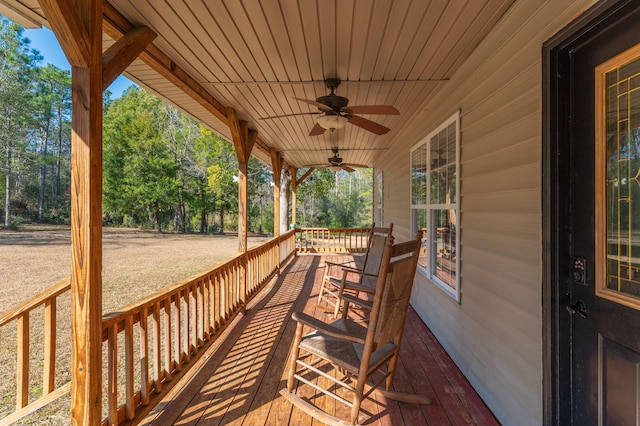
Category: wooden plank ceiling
[256,56]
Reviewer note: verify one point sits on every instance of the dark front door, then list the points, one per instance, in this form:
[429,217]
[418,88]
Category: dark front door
[603,224]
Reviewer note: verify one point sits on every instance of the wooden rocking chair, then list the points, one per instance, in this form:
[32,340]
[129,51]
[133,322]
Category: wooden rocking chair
[363,357]
[335,280]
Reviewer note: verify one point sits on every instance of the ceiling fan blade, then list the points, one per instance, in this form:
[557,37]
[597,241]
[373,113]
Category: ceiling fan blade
[288,115]
[347,168]
[361,166]
[322,107]
[369,125]
[317,130]
[372,109]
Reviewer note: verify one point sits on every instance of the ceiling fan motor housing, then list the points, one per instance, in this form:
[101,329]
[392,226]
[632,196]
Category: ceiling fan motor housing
[333,101]
[335,160]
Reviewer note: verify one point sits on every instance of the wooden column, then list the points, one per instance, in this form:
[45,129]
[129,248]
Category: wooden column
[77,25]
[294,186]
[285,189]
[276,166]
[243,141]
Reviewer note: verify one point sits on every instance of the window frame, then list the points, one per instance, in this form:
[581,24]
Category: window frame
[428,207]
[380,200]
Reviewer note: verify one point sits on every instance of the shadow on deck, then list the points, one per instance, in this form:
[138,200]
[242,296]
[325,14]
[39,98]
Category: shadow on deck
[237,381]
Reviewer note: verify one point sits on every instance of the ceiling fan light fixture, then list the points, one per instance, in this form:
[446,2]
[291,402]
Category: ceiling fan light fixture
[335,168]
[332,121]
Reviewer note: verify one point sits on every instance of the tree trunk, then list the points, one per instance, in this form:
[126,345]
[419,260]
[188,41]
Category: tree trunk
[158,221]
[58,162]
[222,218]
[43,172]
[203,221]
[7,188]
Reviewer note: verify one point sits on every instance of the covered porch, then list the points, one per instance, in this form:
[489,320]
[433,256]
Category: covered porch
[237,380]
[250,71]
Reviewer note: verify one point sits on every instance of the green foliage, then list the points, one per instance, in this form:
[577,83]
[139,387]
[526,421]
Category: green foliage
[160,168]
[140,170]
[35,103]
[339,200]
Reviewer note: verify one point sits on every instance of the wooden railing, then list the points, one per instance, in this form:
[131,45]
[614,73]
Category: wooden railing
[164,334]
[334,240]
[46,304]
[148,345]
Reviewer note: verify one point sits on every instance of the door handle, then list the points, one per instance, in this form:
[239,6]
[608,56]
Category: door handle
[579,308]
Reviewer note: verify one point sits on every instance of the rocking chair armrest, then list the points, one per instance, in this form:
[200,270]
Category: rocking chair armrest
[324,328]
[346,270]
[349,268]
[350,285]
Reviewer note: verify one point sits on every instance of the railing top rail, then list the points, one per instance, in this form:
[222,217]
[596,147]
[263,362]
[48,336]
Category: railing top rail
[108,319]
[35,301]
[113,317]
[334,229]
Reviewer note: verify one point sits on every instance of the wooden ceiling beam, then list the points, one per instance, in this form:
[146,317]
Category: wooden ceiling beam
[116,26]
[305,175]
[67,24]
[276,165]
[244,138]
[123,52]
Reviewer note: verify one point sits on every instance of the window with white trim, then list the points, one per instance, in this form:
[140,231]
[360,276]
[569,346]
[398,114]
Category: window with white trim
[379,210]
[435,163]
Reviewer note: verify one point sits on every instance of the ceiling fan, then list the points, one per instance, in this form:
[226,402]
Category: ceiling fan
[336,164]
[335,112]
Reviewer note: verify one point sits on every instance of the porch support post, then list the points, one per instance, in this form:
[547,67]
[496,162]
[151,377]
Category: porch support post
[276,166]
[78,27]
[243,141]
[294,186]
[285,180]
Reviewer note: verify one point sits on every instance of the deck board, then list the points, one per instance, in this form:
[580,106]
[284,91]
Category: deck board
[237,381]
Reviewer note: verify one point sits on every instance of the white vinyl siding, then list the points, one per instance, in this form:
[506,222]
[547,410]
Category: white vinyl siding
[495,333]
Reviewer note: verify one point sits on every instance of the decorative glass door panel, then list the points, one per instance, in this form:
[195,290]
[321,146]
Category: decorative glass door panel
[618,178]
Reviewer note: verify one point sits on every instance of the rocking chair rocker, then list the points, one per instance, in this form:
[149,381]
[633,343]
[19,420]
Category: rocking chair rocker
[363,356]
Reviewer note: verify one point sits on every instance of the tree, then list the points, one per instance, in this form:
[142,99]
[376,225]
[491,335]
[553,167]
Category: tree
[340,199]
[17,67]
[53,109]
[139,168]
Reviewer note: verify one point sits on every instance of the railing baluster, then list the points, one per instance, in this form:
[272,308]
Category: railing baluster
[112,380]
[168,363]
[49,374]
[186,332]
[217,284]
[157,352]
[193,318]
[144,357]
[203,318]
[207,308]
[177,332]
[128,365]
[22,384]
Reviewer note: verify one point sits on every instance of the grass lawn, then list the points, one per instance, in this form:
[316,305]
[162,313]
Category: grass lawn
[135,264]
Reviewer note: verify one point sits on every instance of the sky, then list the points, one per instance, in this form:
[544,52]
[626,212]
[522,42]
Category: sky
[43,40]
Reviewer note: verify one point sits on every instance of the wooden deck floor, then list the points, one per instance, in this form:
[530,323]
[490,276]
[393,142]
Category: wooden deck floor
[238,380]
